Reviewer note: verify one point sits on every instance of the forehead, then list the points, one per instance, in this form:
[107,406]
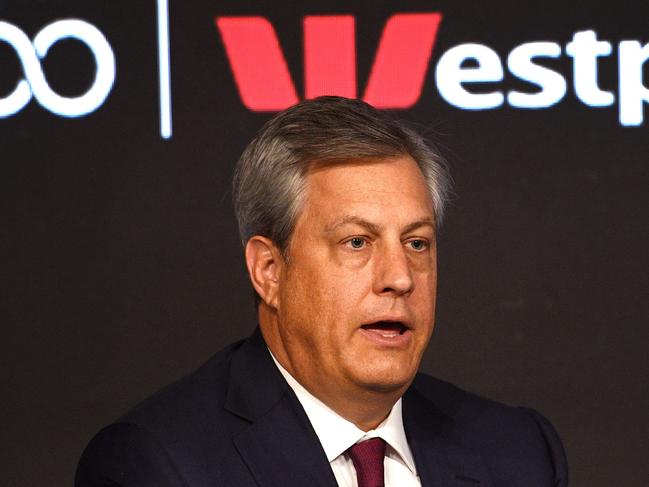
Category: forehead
[378,189]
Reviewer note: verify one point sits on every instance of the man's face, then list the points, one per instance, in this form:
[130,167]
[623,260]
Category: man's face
[356,300]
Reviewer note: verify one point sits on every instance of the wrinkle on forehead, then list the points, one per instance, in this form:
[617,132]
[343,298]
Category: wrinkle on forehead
[376,227]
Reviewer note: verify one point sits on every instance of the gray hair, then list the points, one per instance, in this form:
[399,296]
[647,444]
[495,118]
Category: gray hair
[270,176]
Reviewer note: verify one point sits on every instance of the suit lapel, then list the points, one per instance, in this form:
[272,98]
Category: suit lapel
[440,461]
[279,446]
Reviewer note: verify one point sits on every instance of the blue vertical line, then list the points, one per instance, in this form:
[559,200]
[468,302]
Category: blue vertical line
[163,65]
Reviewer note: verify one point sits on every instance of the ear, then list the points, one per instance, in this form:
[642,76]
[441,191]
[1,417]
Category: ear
[264,262]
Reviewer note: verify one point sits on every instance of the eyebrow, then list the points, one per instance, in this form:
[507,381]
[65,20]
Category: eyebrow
[375,228]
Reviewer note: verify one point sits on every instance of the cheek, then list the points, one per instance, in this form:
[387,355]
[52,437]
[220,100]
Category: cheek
[335,304]
[308,301]
[320,297]
[347,291]
[424,297]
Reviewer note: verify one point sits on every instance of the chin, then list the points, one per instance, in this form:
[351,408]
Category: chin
[388,380]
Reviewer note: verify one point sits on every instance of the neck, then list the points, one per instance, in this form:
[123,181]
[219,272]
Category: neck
[365,414]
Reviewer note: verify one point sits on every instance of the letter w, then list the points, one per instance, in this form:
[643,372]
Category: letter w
[264,82]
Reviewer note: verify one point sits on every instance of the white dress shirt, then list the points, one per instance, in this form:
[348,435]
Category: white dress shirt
[336,435]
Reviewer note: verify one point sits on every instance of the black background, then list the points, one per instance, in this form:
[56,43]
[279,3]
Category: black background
[122,270]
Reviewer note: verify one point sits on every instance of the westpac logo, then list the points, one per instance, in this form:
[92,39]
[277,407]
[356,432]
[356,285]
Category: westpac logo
[264,82]
[402,58]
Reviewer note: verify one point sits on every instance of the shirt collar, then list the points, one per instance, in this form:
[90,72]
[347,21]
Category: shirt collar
[336,434]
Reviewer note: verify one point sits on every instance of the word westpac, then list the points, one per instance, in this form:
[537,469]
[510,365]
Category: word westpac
[397,75]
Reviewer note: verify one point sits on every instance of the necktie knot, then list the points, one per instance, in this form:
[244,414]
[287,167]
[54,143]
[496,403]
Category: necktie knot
[367,457]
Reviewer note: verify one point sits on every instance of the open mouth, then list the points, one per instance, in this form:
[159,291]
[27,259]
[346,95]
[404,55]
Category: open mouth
[386,328]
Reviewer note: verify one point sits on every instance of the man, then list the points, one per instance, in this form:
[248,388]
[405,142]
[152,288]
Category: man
[337,207]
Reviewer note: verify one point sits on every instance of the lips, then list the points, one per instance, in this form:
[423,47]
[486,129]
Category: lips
[387,328]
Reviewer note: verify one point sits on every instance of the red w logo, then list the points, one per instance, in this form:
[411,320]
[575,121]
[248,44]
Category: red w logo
[265,84]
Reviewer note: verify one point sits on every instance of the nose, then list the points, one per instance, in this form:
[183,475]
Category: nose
[392,272]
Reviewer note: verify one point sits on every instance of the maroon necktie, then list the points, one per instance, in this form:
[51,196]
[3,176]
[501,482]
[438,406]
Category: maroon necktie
[368,461]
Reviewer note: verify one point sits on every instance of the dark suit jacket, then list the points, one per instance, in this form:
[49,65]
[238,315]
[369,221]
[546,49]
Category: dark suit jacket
[236,422]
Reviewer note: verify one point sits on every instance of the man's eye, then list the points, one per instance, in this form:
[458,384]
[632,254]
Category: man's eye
[356,242]
[418,244]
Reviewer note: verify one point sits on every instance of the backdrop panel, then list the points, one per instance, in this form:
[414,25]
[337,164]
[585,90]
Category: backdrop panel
[122,268]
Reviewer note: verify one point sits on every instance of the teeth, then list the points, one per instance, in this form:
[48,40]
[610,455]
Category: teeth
[390,334]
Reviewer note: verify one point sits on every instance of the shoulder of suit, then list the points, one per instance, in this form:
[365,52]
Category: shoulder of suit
[191,396]
[449,398]
[458,403]
[478,417]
